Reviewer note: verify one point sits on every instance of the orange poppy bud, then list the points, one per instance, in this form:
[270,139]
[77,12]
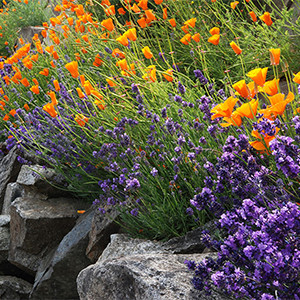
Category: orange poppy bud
[108,24]
[25,82]
[168,75]
[52,64]
[80,211]
[53,98]
[49,108]
[98,61]
[234,4]
[143,4]
[26,106]
[236,48]
[266,18]
[6,118]
[253,16]
[13,112]
[275,56]
[81,119]
[70,21]
[214,30]
[165,13]
[214,39]
[55,55]
[72,67]
[56,85]
[157,2]
[172,22]
[196,37]
[258,75]
[1,91]
[185,28]
[149,16]
[123,40]
[147,52]
[97,94]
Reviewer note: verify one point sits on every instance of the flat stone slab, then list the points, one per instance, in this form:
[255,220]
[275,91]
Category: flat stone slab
[13,288]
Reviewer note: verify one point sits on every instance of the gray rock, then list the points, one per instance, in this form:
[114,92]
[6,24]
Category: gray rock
[4,243]
[36,179]
[4,220]
[27,34]
[9,169]
[122,245]
[141,277]
[13,288]
[13,191]
[99,237]
[37,226]
[56,278]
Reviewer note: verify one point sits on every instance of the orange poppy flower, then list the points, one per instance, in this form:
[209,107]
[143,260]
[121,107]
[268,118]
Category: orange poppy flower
[98,61]
[258,75]
[49,108]
[72,67]
[186,39]
[81,120]
[122,64]
[143,4]
[53,98]
[241,88]
[121,11]
[214,39]
[157,2]
[168,75]
[118,53]
[25,82]
[45,72]
[108,24]
[13,112]
[110,11]
[234,120]
[110,82]
[123,40]
[49,49]
[190,22]
[214,30]
[131,34]
[275,56]
[224,109]
[6,118]
[35,89]
[56,85]
[266,18]
[70,21]
[297,78]
[234,4]
[196,37]
[270,87]
[248,110]
[80,93]
[236,48]
[142,22]
[147,52]
[263,142]
[253,16]
[172,22]
[185,28]
[135,8]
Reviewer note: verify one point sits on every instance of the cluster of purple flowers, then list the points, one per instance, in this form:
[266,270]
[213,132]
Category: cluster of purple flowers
[259,258]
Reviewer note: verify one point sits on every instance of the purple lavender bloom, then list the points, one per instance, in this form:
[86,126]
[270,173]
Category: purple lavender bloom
[181,88]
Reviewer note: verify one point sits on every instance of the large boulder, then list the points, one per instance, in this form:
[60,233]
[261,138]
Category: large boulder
[103,227]
[56,277]
[9,170]
[141,277]
[13,288]
[37,226]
